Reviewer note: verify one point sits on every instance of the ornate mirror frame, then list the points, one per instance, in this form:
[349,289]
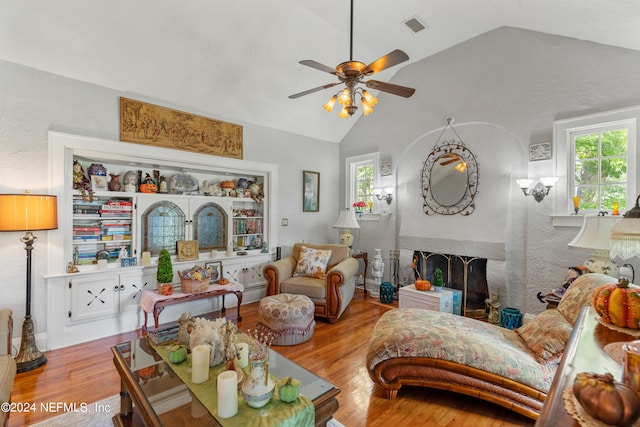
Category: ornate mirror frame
[448,152]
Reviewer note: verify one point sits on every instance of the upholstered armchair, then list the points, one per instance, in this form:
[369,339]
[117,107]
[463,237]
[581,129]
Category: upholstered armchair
[330,294]
[7,362]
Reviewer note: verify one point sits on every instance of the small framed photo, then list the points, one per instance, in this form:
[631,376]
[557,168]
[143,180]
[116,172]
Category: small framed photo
[187,250]
[216,270]
[99,183]
[540,151]
[310,191]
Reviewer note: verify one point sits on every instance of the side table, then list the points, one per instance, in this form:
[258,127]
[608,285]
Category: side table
[364,256]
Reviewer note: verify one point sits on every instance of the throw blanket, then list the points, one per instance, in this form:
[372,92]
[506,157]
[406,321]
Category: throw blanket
[148,299]
[300,413]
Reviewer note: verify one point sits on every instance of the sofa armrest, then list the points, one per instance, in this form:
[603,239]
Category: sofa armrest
[277,272]
[6,330]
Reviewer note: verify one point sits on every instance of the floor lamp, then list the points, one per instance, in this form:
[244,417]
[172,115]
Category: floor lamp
[28,212]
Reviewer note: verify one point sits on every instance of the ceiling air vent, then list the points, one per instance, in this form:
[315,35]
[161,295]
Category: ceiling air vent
[414,24]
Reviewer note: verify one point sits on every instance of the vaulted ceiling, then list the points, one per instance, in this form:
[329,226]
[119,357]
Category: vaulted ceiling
[239,60]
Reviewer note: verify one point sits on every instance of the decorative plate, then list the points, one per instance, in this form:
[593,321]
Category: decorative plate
[183,183]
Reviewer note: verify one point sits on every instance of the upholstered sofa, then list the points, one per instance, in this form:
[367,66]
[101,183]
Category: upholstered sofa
[330,294]
[513,369]
[7,363]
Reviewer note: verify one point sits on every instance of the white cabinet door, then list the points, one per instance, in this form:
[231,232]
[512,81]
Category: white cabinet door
[130,289]
[233,270]
[93,296]
[253,272]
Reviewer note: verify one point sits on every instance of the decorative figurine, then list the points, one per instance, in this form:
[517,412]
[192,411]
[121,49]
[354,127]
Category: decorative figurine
[81,182]
[493,306]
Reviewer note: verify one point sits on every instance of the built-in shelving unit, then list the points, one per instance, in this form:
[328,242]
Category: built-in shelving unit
[96,301]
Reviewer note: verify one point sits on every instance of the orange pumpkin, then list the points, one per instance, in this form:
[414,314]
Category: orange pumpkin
[166,289]
[423,285]
[618,304]
[223,281]
[148,188]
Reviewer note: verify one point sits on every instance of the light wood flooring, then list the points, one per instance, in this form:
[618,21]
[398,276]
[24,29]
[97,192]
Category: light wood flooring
[85,373]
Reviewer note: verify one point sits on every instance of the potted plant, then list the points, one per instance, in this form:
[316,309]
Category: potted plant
[437,280]
[164,275]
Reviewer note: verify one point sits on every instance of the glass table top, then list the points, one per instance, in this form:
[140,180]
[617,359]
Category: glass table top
[171,400]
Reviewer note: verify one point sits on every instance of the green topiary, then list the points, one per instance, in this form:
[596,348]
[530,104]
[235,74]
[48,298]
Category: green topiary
[165,269]
[437,278]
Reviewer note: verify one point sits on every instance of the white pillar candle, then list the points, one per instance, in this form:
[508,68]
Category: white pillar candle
[146,258]
[242,357]
[200,363]
[227,394]
[229,250]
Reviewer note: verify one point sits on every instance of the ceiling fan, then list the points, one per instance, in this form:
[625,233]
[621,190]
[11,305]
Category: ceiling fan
[351,73]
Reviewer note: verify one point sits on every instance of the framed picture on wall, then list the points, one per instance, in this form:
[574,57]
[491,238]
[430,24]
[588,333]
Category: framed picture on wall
[310,191]
[540,151]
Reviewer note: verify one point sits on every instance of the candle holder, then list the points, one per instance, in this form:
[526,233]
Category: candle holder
[576,204]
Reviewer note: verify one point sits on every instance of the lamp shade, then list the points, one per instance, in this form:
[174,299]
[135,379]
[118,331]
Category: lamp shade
[625,238]
[28,212]
[346,219]
[595,233]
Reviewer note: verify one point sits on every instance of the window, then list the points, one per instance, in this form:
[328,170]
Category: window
[600,167]
[596,160]
[362,173]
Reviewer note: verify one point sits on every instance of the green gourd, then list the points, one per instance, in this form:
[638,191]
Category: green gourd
[177,354]
[289,389]
[165,269]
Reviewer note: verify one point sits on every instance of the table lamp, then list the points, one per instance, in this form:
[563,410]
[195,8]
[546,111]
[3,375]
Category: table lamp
[625,235]
[346,220]
[595,234]
[28,212]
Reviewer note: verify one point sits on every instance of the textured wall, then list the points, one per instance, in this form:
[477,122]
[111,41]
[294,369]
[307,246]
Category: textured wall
[33,102]
[516,81]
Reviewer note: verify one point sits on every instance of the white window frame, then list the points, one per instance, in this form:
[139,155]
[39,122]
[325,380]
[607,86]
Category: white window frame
[563,147]
[352,163]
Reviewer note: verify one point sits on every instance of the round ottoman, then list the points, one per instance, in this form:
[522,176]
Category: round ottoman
[288,317]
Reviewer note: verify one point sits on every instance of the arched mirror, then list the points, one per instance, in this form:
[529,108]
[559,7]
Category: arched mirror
[449,179]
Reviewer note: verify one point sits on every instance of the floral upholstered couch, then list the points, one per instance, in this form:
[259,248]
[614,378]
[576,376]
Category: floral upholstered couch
[440,350]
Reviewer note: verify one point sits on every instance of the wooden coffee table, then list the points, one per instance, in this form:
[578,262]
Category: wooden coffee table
[162,399]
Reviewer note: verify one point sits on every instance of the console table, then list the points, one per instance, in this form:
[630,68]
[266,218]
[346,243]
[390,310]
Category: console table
[584,353]
[153,302]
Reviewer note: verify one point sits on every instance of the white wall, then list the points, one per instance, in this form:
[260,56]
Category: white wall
[510,79]
[33,102]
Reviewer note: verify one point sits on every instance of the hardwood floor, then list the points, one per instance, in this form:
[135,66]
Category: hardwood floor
[85,373]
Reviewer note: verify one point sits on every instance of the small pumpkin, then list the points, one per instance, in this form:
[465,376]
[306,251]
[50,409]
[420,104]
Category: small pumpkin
[148,188]
[605,399]
[423,285]
[618,304]
[177,354]
[223,281]
[166,289]
[289,389]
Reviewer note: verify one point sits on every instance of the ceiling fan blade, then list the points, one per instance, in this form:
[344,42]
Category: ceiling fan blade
[389,60]
[391,88]
[318,66]
[315,89]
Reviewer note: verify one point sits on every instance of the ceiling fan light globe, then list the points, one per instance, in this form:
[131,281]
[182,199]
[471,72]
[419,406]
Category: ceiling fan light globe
[344,113]
[329,105]
[371,100]
[345,97]
[366,108]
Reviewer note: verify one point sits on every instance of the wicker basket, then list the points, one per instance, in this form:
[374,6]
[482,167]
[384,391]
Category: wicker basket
[191,286]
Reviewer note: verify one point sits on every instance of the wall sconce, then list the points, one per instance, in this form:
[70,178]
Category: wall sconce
[384,194]
[539,190]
